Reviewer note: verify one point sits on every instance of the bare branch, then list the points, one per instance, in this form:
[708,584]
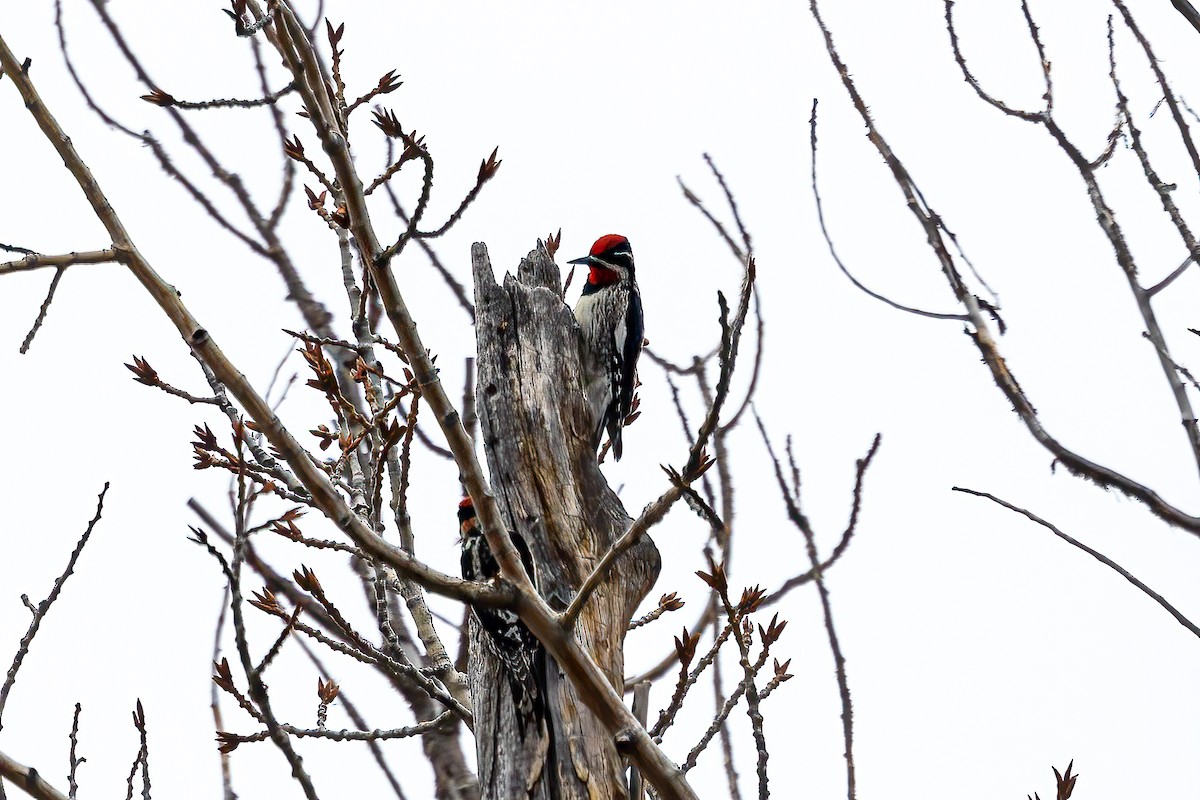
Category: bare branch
[1161,188]
[691,197]
[75,761]
[1167,281]
[733,207]
[37,260]
[257,688]
[1028,116]
[315,314]
[792,500]
[812,127]
[651,515]
[684,649]
[41,317]
[666,603]
[139,722]
[28,780]
[229,741]
[160,98]
[148,376]
[456,288]
[1103,559]
[1185,133]
[39,613]
[982,335]
[1188,11]
[358,720]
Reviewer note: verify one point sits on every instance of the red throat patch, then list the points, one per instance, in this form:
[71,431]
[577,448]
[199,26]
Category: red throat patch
[607,242]
[602,276]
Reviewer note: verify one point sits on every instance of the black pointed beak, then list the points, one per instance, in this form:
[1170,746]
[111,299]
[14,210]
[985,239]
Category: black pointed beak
[584,260]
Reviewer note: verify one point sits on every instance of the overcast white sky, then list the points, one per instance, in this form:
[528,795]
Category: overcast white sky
[980,648]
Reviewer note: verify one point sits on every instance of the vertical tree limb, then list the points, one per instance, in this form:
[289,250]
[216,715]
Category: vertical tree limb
[534,429]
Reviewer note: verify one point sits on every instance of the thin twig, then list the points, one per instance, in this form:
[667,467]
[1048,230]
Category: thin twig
[666,717]
[731,773]
[41,317]
[215,700]
[139,721]
[812,127]
[1103,559]
[801,522]
[75,760]
[456,288]
[226,739]
[39,613]
[257,688]
[1167,281]
[733,206]
[164,99]
[357,719]
[666,603]
[1185,133]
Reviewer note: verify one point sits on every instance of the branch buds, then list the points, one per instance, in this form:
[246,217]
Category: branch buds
[306,579]
[390,82]
[206,442]
[325,380]
[287,529]
[227,742]
[702,464]
[752,597]
[670,602]
[487,169]
[392,432]
[205,437]
[238,15]
[716,579]
[552,243]
[387,122]
[223,676]
[294,150]
[315,201]
[159,98]
[265,601]
[634,413]
[143,372]
[326,436]
[772,632]
[327,691]
[1066,781]
[334,34]
[685,648]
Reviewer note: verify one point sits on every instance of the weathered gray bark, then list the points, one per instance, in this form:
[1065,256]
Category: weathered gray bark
[536,434]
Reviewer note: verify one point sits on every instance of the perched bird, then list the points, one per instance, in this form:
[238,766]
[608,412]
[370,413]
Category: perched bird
[610,314]
[521,655]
